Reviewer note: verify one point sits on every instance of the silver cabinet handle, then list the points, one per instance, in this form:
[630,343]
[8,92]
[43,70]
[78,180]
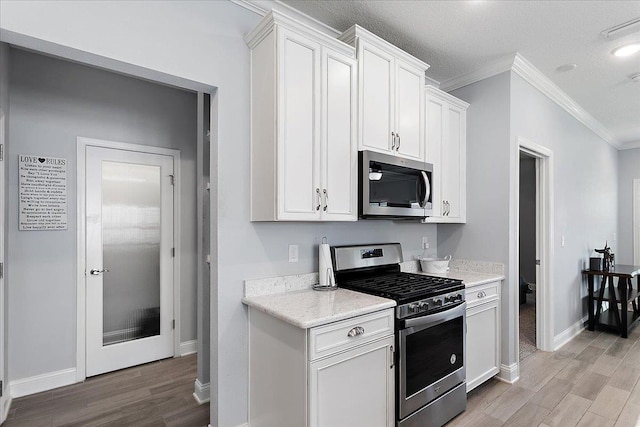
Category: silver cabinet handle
[95,272]
[393,357]
[326,198]
[398,146]
[482,294]
[393,141]
[354,332]
[319,199]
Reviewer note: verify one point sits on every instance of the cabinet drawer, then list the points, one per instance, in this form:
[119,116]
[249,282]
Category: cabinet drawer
[340,336]
[481,293]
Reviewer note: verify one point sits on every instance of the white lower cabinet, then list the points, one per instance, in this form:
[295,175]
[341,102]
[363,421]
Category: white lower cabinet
[338,374]
[354,388]
[483,333]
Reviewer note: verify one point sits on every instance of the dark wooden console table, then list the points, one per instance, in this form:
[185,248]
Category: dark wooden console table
[621,293]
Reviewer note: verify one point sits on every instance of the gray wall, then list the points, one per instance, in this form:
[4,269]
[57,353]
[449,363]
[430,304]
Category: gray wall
[628,170]
[4,106]
[585,197]
[585,192]
[485,236]
[53,102]
[527,267]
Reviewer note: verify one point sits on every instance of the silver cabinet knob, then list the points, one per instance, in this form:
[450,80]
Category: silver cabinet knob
[354,332]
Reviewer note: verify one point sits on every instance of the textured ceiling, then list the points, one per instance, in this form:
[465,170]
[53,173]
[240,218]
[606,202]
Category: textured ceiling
[459,37]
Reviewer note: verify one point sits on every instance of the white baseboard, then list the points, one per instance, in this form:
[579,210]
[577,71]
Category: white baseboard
[188,347]
[568,334]
[509,373]
[202,392]
[44,382]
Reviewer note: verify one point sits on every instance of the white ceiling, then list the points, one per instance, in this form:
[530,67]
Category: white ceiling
[460,37]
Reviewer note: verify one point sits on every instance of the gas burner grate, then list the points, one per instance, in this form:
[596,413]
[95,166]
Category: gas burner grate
[403,287]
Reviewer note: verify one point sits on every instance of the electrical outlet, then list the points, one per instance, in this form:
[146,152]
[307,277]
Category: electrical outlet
[425,242]
[615,236]
[293,253]
[562,242]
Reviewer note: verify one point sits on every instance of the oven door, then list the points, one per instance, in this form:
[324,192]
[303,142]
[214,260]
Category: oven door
[431,361]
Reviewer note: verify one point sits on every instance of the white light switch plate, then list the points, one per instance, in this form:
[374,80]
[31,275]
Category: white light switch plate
[293,253]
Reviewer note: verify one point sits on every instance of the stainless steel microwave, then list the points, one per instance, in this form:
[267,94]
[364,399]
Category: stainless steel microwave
[393,187]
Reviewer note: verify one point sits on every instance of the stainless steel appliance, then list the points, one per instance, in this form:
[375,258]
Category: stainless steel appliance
[430,331]
[393,187]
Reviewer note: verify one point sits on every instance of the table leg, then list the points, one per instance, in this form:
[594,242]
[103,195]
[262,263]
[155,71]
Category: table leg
[590,302]
[622,285]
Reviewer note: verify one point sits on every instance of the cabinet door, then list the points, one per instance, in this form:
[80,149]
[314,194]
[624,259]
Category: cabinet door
[354,388]
[339,156]
[409,111]
[376,98]
[452,161]
[483,343]
[298,139]
[435,108]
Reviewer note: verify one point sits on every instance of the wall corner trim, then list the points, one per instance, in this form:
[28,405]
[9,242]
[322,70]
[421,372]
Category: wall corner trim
[42,382]
[7,405]
[188,347]
[525,69]
[568,334]
[509,373]
[202,392]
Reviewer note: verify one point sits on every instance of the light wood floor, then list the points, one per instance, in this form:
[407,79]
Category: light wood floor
[591,381]
[156,394]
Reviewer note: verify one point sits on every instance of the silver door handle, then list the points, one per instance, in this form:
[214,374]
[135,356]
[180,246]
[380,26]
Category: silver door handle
[326,197]
[354,332]
[393,141]
[398,146]
[95,272]
[319,199]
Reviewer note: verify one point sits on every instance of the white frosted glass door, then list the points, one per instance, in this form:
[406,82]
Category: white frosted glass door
[129,277]
[130,241]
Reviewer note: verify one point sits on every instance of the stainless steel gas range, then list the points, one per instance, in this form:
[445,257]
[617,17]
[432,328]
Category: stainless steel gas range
[430,331]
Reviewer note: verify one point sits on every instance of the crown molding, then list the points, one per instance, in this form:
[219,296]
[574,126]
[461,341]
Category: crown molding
[630,145]
[263,7]
[493,69]
[527,71]
[534,77]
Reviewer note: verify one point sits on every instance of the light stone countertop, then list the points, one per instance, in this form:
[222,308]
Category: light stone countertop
[308,308]
[469,278]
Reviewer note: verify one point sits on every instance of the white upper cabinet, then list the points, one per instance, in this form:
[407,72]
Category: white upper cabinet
[446,149]
[390,101]
[303,136]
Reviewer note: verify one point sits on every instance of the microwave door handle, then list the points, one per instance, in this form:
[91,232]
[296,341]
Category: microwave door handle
[427,189]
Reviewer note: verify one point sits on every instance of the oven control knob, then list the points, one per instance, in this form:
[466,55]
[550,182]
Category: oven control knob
[437,301]
[458,297]
[414,308]
[424,305]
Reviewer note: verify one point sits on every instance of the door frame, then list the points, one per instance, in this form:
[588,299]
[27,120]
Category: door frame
[5,399]
[636,221]
[544,242]
[82,144]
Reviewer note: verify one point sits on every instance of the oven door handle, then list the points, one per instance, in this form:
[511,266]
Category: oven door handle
[433,319]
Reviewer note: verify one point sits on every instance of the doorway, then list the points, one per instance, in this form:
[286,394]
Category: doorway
[527,263]
[129,256]
[539,287]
